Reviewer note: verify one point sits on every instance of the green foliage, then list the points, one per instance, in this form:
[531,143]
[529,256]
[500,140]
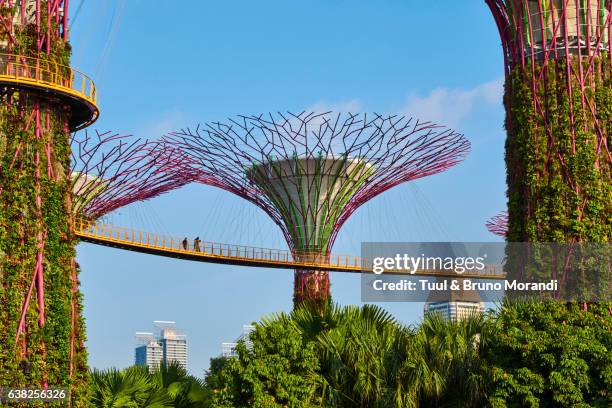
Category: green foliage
[446,361]
[135,387]
[279,370]
[551,354]
[184,390]
[362,354]
[526,354]
[132,387]
[353,357]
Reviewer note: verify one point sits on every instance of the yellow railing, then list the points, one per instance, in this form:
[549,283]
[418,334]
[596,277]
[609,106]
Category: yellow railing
[138,240]
[141,238]
[47,74]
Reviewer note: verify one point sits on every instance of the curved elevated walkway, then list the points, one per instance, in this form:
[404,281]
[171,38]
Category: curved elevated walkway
[172,247]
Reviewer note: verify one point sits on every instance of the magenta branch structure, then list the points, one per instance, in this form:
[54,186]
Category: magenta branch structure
[498,224]
[110,171]
[310,171]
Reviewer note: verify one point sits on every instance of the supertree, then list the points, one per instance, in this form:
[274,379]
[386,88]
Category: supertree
[498,224]
[110,171]
[310,171]
[42,101]
[558,99]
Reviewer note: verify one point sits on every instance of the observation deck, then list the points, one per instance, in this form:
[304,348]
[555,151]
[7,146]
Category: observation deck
[71,87]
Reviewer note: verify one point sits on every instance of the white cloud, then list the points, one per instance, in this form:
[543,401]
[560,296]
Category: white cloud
[450,106]
[445,106]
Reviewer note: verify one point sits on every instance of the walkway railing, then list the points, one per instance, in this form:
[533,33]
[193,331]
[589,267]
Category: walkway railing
[145,239]
[44,73]
[165,245]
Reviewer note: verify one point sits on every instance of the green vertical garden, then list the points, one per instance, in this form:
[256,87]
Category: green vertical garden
[559,172]
[41,329]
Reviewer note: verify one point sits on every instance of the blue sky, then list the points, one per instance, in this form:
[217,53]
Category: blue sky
[161,66]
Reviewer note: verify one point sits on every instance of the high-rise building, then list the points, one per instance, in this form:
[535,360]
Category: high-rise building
[454,305]
[149,352]
[228,349]
[166,345]
[455,310]
[457,304]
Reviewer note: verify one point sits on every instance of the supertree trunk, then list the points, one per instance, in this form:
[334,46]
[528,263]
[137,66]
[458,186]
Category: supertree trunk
[41,328]
[558,99]
[311,287]
[559,184]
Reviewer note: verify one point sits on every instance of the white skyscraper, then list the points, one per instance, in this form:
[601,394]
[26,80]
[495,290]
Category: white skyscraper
[454,305]
[149,352]
[455,310]
[166,345]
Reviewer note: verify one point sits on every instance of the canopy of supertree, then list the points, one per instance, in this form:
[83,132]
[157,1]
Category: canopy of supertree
[110,171]
[310,171]
[498,224]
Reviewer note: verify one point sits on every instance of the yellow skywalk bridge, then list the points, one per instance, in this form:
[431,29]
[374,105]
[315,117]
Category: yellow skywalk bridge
[172,247]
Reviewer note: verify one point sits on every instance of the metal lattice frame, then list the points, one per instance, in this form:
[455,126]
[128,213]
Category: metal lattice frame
[49,29]
[547,31]
[498,224]
[310,171]
[110,171]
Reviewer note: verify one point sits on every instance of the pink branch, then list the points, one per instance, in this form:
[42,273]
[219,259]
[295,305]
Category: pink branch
[498,224]
[111,171]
